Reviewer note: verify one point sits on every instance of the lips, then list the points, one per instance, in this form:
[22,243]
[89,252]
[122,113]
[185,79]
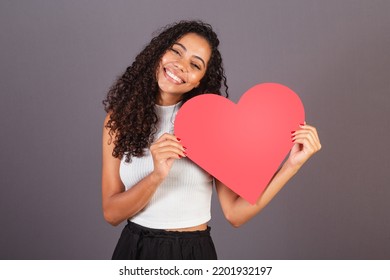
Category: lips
[169,74]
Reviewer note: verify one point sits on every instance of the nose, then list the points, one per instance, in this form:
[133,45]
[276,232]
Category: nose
[180,65]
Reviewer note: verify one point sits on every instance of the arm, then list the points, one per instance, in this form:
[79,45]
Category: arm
[238,211]
[118,204]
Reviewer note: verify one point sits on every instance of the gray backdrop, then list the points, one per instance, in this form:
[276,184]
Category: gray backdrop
[58,58]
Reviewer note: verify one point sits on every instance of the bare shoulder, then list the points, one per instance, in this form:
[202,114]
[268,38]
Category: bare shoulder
[108,142]
[108,136]
[106,120]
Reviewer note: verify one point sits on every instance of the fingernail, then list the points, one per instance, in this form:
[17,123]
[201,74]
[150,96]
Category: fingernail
[185,153]
[185,148]
[292,132]
[178,139]
[180,156]
[301,124]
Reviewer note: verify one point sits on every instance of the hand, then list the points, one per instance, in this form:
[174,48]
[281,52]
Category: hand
[307,143]
[165,151]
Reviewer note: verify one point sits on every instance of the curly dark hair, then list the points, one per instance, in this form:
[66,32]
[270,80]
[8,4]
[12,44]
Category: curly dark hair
[132,98]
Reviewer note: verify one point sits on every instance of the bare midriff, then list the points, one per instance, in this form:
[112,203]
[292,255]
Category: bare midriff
[194,228]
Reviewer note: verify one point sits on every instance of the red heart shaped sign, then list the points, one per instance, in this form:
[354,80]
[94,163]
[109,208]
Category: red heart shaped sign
[243,144]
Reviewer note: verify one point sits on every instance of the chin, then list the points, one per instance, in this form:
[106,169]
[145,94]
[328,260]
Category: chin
[172,89]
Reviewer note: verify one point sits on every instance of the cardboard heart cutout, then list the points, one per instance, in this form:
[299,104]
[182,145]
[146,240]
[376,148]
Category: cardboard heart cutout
[242,145]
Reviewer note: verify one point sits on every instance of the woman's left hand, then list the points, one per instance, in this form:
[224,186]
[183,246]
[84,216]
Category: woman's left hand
[306,144]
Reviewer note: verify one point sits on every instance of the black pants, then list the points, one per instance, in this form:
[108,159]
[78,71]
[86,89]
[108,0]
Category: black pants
[142,243]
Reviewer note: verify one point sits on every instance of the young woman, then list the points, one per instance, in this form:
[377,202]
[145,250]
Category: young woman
[147,179]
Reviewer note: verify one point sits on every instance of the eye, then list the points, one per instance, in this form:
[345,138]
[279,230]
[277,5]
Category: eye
[175,51]
[196,66]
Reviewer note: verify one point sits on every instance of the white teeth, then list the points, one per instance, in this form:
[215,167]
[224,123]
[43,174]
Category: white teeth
[173,76]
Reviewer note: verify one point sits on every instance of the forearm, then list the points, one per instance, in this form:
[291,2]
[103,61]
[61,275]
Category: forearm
[242,211]
[124,205]
[238,211]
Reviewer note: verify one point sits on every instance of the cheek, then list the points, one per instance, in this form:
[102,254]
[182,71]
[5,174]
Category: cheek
[196,77]
[166,58]
[163,60]
[159,70]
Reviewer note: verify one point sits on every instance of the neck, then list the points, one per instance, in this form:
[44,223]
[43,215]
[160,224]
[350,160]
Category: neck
[167,99]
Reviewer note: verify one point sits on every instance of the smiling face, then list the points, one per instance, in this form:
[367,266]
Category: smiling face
[182,67]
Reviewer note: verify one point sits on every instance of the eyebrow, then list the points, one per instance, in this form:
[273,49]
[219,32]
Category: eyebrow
[198,57]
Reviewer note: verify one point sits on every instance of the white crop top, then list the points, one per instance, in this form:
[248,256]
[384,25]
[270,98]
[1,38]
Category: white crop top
[183,199]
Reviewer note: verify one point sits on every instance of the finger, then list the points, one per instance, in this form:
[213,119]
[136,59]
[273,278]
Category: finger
[169,149]
[167,155]
[309,141]
[308,148]
[167,136]
[308,136]
[168,143]
[316,138]
[311,128]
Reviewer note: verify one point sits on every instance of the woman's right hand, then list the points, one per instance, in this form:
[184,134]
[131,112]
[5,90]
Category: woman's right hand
[165,151]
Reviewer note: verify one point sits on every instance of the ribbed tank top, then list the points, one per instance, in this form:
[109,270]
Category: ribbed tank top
[183,199]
